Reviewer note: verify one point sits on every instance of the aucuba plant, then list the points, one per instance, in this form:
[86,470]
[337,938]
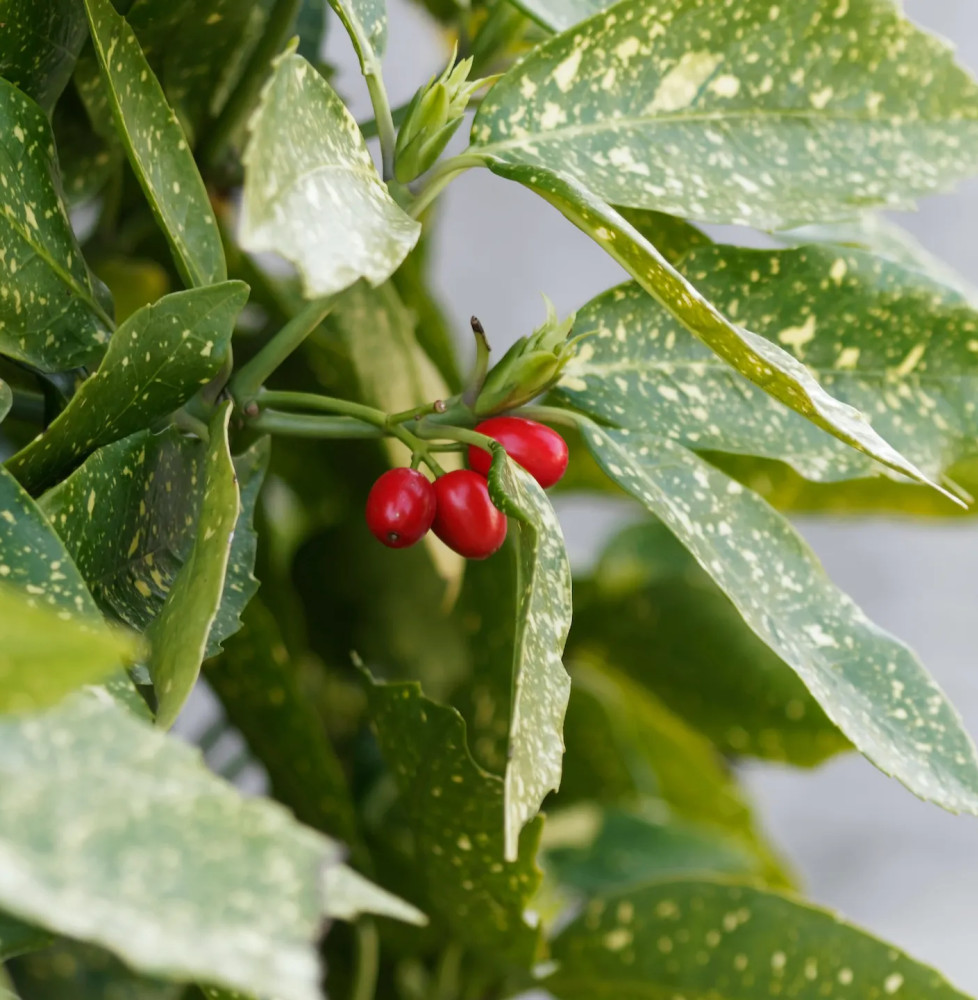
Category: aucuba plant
[480,780]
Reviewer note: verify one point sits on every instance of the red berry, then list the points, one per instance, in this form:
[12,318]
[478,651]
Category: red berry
[467,520]
[540,450]
[400,508]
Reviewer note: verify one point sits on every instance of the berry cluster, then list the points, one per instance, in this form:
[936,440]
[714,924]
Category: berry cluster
[404,504]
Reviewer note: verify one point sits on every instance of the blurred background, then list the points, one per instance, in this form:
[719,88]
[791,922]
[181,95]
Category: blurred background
[862,844]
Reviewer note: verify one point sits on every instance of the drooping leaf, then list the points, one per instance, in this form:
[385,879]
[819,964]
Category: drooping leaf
[46,654]
[50,315]
[178,635]
[40,42]
[654,754]
[651,611]
[604,851]
[349,895]
[155,362]
[762,114]
[72,971]
[766,364]
[540,685]
[260,691]
[455,811]
[157,148]
[177,874]
[696,938]
[559,15]
[366,24]
[311,191]
[869,684]
[882,338]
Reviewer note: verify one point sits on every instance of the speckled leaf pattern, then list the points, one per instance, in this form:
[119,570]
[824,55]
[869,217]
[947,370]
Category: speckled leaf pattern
[50,315]
[350,895]
[763,114]
[46,653]
[240,585]
[34,559]
[766,364]
[128,516]
[366,24]
[455,810]
[157,148]
[259,687]
[662,757]
[394,374]
[654,613]
[699,938]
[311,191]
[559,15]
[39,41]
[868,683]
[178,635]
[613,850]
[885,339]
[155,362]
[153,857]
[541,686]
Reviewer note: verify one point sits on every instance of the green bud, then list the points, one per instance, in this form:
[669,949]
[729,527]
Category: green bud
[432,118]
[531,366]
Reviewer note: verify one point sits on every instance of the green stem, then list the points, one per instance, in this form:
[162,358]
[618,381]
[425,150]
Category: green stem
[304,425]
[382,115]
[550,415]
[442,175]
[247,382]
[462,434]
[368,961]
[242,98]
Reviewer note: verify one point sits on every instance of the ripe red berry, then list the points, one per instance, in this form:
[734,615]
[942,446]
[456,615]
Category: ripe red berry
[539,449]
[467,520]
[400,508]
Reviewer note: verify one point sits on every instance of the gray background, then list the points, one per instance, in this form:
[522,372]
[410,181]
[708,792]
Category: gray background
[863,844]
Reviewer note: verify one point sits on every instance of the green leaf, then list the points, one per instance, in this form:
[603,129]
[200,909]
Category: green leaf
[868,683]
[176,873]
[179,633]
[655,754]
[155,362]
[559,15]
[766,364]
[349,895]
[671,236]
[655,614]
[46,654]
[34,559]
[759,114]
[18,939]
[157,148]
[366,24]
[6,399]
[311,191]
[698,938]
[540,685]
[50,315]
[881,338]
[240,585]
[599,852]
[455,811]
[310,26]
[259,687]
[41,40]
[72,971]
